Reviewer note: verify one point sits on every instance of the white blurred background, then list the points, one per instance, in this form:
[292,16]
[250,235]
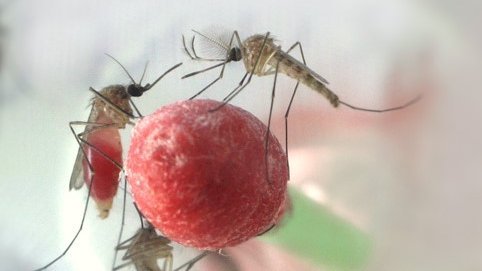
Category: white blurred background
[409,180]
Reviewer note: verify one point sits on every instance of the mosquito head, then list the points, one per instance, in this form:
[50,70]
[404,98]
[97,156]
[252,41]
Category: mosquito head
[235,54]
[135,90]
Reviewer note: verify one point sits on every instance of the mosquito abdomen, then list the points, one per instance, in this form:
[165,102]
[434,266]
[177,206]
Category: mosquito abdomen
[297,70]
[264,62]
[105,180]
[313,83]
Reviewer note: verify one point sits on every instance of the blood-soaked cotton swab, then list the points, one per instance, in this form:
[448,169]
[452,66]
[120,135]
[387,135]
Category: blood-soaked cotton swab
[200,177]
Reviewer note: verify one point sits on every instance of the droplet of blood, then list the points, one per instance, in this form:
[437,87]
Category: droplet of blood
[200,177]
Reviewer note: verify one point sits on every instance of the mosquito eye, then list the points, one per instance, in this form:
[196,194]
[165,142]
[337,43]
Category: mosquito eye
[235,54]
[134,90]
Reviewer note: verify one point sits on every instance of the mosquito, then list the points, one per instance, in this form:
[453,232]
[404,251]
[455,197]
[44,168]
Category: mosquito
[145,248]
[262,57]
[99,158]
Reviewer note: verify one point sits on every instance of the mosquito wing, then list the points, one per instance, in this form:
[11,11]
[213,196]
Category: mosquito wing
[77,176]
[317,76]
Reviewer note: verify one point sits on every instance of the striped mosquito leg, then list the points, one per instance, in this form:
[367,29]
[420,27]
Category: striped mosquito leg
[188,265]
[266,140]
[122,221]
[291,102]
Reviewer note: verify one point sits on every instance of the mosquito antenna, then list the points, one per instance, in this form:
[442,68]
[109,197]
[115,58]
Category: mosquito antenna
[204,70]
[217,42]
[143,73]
[122,66]
[149,86]
[414,100]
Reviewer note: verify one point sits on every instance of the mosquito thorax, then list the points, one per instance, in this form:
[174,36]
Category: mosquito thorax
[135,90]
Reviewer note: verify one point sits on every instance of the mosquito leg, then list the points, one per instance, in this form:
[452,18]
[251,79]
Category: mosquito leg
[121,187]
[228,97]
[141,216]
[91,126]
[168,263]
[128,244]
[78,231]
[266,140]
[135,108]
[291,102]
[191,262]
[101,153]
[301,50]
[122,222]
[144,248]
[152,247]
[286,127]
[206,87]
[123,245]
[267,230]
[79,142]
[123,265]
[233,93]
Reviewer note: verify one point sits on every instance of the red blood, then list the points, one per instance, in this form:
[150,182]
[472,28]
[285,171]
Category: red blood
[105,182]
[200,177]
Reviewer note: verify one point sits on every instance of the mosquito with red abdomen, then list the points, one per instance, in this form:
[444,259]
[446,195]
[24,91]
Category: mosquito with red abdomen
[99,158]
[261,57]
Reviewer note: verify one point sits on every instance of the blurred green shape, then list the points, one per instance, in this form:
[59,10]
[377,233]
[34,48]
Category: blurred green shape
[316,233]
